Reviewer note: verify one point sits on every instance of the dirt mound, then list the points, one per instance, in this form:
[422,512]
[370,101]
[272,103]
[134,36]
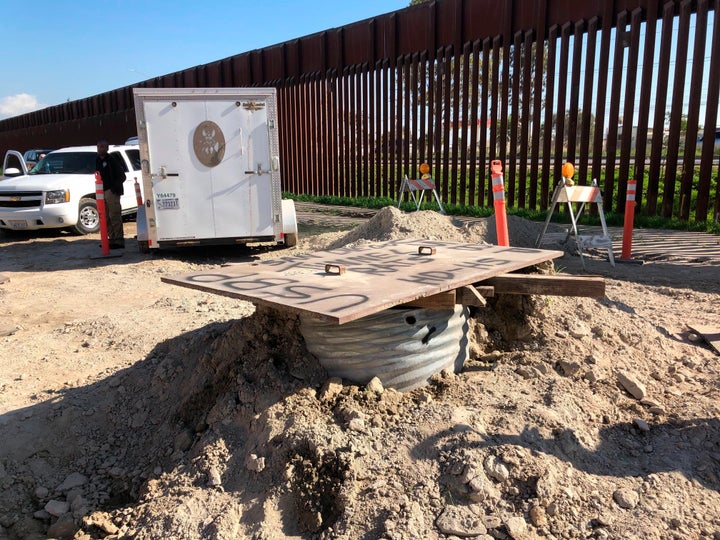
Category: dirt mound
[573,418]
[390,223]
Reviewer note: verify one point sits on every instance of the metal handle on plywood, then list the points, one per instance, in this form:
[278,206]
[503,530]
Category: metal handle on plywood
[337,269]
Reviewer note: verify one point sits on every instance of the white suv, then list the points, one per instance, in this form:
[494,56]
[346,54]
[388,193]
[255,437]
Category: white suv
[59,192]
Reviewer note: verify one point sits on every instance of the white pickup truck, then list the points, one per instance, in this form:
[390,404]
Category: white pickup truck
[59,191]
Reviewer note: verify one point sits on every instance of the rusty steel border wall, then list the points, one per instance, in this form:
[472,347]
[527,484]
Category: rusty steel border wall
[628,84]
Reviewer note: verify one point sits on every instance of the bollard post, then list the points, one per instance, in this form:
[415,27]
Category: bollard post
[100,201]
[498,189]
[138,194]
[629,219]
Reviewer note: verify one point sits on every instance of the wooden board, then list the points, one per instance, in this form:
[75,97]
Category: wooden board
[7,330]
[376,276]
[711,334]
[551,285]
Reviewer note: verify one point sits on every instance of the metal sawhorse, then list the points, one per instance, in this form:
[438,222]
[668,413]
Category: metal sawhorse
[581,195]
[423,184]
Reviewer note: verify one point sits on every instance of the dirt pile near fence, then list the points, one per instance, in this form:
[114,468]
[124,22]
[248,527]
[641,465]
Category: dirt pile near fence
[574,418]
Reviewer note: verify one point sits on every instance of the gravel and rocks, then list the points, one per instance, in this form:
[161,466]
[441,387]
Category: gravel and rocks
[130,408]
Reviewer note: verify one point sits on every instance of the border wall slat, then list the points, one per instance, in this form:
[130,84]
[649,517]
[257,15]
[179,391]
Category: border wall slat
[478,126]
[708,147]
[644,106]
[445,123]
[560,108]
[588,92]
[394,117]
[505,82]
[693,113]
[348,128]
[578,34]
[316,141]
[435,114]
[512,139]
[352,132]
[385,127]
[468,122]
[413,141]
[525,117]
[548,130]
[601,93]
[326,148]
[360,176]
[540,33]
[422,101]
[454,139]
[653,190]
[376,143]
[616,91]
[302,135]
[333,121]
[676,111]
[484,106]
[494,68]
[628,114]
[406,118]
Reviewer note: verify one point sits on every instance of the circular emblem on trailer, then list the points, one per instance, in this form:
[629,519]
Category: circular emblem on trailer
[209,143]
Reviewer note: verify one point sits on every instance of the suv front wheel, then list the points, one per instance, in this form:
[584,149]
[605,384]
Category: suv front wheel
[88,217]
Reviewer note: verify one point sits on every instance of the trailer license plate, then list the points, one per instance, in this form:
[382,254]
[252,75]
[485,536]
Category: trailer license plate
[18,224]
[168,204]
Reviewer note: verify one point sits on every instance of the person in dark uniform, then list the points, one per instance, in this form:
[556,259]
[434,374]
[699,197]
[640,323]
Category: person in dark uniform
[113,178]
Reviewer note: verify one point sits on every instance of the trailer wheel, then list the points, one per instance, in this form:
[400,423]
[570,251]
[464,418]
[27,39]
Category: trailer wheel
[88,217]
[289,223]
[291,240]
[144,246]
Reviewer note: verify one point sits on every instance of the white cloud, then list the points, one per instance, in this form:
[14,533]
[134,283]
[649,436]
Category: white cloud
[19,104]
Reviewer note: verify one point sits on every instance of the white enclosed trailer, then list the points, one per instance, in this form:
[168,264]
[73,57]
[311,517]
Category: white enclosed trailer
[211,168]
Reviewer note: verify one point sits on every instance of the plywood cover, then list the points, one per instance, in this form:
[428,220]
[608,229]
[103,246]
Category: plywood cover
[362,280]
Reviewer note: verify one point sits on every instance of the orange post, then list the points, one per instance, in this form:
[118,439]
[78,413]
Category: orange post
[100,201]
[499,202]
[629,219]
[138,194]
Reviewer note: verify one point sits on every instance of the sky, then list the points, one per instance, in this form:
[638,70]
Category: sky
[55,51]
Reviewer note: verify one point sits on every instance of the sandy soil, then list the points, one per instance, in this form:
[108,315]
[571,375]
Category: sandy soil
[130,408]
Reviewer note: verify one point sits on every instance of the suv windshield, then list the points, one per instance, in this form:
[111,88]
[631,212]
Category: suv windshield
[66,163]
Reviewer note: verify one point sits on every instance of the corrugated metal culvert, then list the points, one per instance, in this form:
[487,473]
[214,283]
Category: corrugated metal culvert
[402,347]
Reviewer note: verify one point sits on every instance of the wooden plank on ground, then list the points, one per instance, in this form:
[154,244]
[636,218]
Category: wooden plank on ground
[377,276]
[550,285]
[7,330]
[711,334]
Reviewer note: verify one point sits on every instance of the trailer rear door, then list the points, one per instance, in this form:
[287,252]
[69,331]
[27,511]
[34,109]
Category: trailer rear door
[210,164]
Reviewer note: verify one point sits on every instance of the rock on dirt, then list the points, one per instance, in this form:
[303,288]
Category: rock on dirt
[134,409]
